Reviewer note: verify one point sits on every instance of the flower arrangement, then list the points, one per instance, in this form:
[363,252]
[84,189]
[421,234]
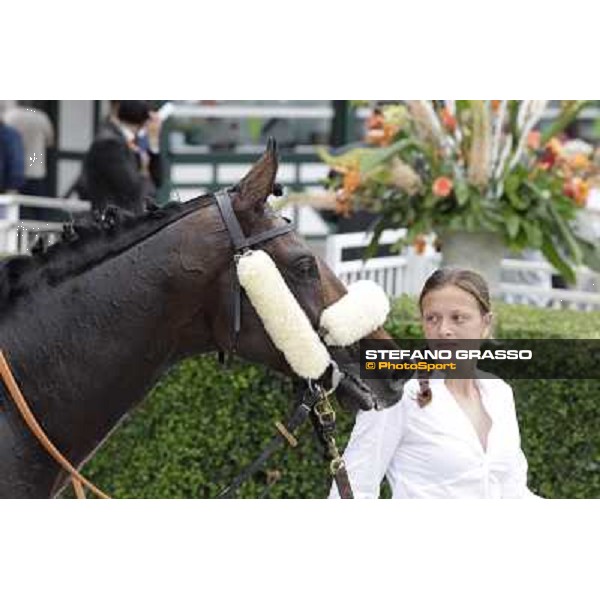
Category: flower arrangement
[472,165]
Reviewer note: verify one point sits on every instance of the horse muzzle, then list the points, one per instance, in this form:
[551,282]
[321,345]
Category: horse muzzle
[353,317]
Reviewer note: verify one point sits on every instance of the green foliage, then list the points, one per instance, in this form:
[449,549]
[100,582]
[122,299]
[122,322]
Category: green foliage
[366,160]
[203,424]
[199,428]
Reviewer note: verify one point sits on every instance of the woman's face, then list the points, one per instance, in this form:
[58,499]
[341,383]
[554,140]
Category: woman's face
[451,313]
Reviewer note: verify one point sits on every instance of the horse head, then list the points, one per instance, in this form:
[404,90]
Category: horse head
[310,280]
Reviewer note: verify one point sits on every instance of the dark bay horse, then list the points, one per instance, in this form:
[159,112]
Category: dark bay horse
[91,323]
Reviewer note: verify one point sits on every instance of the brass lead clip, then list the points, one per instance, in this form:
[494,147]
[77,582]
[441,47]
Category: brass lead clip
[324,412]
[336,464]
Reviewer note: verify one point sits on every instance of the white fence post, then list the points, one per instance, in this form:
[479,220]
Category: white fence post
[418,268]
[15,234]
[10,231]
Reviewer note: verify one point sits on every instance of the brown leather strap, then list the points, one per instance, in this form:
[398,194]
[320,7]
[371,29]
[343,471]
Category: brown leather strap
[324,424]
[78,480]
[342,480]
[79,491]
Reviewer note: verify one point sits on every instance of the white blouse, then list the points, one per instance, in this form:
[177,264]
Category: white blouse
[434,451]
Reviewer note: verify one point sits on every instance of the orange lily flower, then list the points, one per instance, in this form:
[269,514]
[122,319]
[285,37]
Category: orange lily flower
[442,187]
[420,244]
[579,162]
[375,120]
[554,146]
[578,190]
[534,140]
[351,181]
[448,120]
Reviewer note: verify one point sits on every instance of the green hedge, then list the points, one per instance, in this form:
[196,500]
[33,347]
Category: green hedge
[202,424]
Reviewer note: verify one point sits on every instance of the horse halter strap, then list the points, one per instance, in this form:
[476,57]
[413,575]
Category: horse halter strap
[241,243]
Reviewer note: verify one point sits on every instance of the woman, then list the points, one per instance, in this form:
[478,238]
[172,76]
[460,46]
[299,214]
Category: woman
[447,438]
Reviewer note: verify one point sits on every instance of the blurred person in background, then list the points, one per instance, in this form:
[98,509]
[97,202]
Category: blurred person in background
[37,134]
[12,168]
[119,168]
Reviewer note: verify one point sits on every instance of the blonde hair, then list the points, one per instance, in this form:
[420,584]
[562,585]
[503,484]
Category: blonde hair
[468,281]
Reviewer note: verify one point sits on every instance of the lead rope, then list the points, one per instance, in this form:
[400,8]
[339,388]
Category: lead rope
[79,482]
[285,433]
[313,402]
[323,417]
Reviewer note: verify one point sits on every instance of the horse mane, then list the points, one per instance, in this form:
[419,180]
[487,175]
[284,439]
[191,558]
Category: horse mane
[86,242]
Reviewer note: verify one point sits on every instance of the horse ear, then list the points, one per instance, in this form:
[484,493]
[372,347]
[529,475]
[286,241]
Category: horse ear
[255,187]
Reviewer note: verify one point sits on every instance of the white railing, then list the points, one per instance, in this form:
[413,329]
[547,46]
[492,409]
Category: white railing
[391,272]
[241,111]
[530,282]
[18,235]
[525,281]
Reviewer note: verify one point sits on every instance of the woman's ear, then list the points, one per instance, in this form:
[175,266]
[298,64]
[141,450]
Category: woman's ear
[488,322]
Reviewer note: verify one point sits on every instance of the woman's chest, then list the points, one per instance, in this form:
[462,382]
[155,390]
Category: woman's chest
[477,416]
[443,440]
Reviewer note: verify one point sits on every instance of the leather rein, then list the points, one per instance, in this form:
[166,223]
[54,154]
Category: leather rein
[312,399]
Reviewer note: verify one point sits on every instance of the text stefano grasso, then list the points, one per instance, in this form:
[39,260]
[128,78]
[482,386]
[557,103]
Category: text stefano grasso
[459,354]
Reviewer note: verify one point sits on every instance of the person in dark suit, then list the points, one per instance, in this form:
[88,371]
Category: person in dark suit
[117,169]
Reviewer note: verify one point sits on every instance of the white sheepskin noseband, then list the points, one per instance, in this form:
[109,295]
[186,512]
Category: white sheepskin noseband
[283,318]
[357,314]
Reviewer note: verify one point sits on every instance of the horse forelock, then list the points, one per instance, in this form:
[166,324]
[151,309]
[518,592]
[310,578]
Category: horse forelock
[85,243]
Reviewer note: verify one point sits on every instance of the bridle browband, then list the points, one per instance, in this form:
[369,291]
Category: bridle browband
[238,238]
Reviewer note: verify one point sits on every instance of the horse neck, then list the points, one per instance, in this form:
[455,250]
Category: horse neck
[91,348]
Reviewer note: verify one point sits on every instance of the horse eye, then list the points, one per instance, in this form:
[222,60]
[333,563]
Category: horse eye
[306,267]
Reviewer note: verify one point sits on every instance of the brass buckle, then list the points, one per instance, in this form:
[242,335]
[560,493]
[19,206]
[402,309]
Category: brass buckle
[241,254]
[324,411]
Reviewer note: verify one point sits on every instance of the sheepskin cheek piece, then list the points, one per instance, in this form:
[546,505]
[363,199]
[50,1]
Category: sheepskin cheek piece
[357,314]
[283,318]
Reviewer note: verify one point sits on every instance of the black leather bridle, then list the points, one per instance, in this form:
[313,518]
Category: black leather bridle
[241,244]
[312,400]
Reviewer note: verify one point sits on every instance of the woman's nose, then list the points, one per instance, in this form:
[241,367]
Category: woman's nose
[446,328]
